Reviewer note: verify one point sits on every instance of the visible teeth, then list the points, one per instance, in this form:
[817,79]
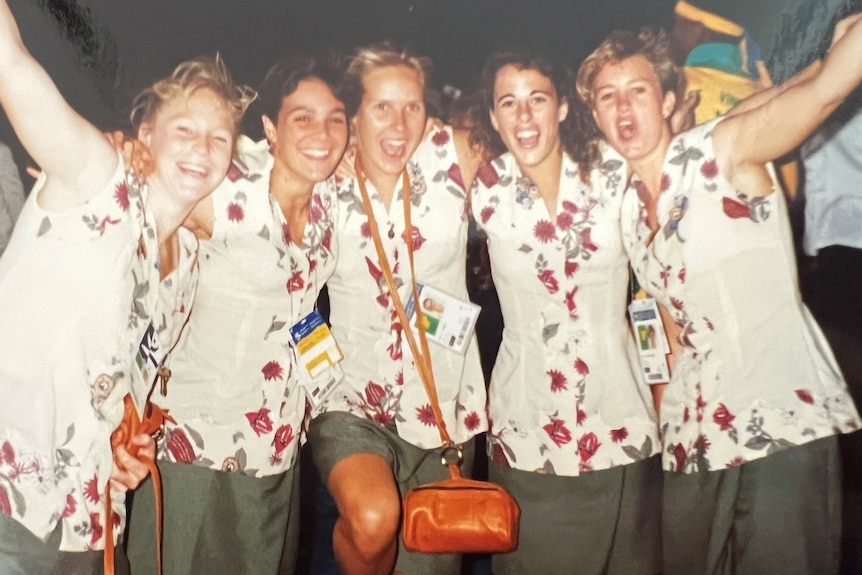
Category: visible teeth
[527,134]
[320,154]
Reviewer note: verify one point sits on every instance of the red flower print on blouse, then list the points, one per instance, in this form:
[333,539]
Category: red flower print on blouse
[588,444]
[681,275]
[571,267]
[665,182]
[272,370]
[233,172]
[570,303]
[582,416]
[681,456]
[285,233]
[295,283]
[709,169]
[283,437]
[558,432]
[564,220]
[71,506]
[544,231]
[472,421]
[399,378]
[487,175]
[582,367]
[702,443]
[180,447]
[440,138]
[486,214]
[735,462]
[260,421]
[5,504]
[91,490]
[454,173]
[426,415]
[7,453]
[805,395]
[586,241]
[96,527]
[735,209]
[365,230]
[121,194]
[558,380]
[383,418]
[569,207]
[314,214]
[722,417]
[550,282]
[416,236]
[617,435]
[235,213]
[374,393]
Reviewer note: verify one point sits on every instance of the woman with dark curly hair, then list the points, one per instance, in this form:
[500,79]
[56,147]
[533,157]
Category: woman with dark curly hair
[573,434]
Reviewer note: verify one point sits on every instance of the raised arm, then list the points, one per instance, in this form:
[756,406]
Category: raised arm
[75,156]
[761,134]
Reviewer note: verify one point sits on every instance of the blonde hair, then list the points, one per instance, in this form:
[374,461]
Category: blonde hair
[369,58]
[650,43]
[192,75]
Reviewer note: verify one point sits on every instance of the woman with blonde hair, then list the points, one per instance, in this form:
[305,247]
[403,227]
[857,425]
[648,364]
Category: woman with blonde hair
[94,287]
[752,478]
[375,436]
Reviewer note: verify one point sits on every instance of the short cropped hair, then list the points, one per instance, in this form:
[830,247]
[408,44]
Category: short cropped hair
[366,59]
[192,75]
[651,43]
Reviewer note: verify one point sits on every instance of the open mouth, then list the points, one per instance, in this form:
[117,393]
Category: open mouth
[394,148]
[527,138]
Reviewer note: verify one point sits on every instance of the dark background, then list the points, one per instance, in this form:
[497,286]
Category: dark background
[101,52]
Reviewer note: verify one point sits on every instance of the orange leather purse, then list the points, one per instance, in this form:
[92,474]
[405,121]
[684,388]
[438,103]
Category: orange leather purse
[455,515]
[152,423]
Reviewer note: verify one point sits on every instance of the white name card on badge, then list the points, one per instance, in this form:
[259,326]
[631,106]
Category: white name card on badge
[317,356]
[651,340]
[448,321]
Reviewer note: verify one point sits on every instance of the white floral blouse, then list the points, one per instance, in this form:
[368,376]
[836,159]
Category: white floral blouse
[565,393]
[234,390]
[79,290]
[755,374]
[381,381]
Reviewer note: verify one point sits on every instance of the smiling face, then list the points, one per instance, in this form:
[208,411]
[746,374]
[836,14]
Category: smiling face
[390,121]
[631,109]
[190,139]
[527,113]
[311,133]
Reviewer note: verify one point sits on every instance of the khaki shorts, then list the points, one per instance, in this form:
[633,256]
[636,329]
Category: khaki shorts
[336,435]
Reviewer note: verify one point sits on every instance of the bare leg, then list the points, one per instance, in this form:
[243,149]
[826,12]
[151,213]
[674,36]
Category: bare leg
[365,538]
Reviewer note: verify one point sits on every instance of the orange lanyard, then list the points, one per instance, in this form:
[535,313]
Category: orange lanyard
[423,358]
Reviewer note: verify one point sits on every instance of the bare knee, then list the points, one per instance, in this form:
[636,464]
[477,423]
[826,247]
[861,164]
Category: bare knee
[369,504]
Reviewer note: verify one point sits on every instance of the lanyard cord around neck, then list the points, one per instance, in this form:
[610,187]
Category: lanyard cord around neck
[423,359]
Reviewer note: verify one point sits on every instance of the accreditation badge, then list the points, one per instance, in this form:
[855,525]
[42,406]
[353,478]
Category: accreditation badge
[317,357]
[651,340]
